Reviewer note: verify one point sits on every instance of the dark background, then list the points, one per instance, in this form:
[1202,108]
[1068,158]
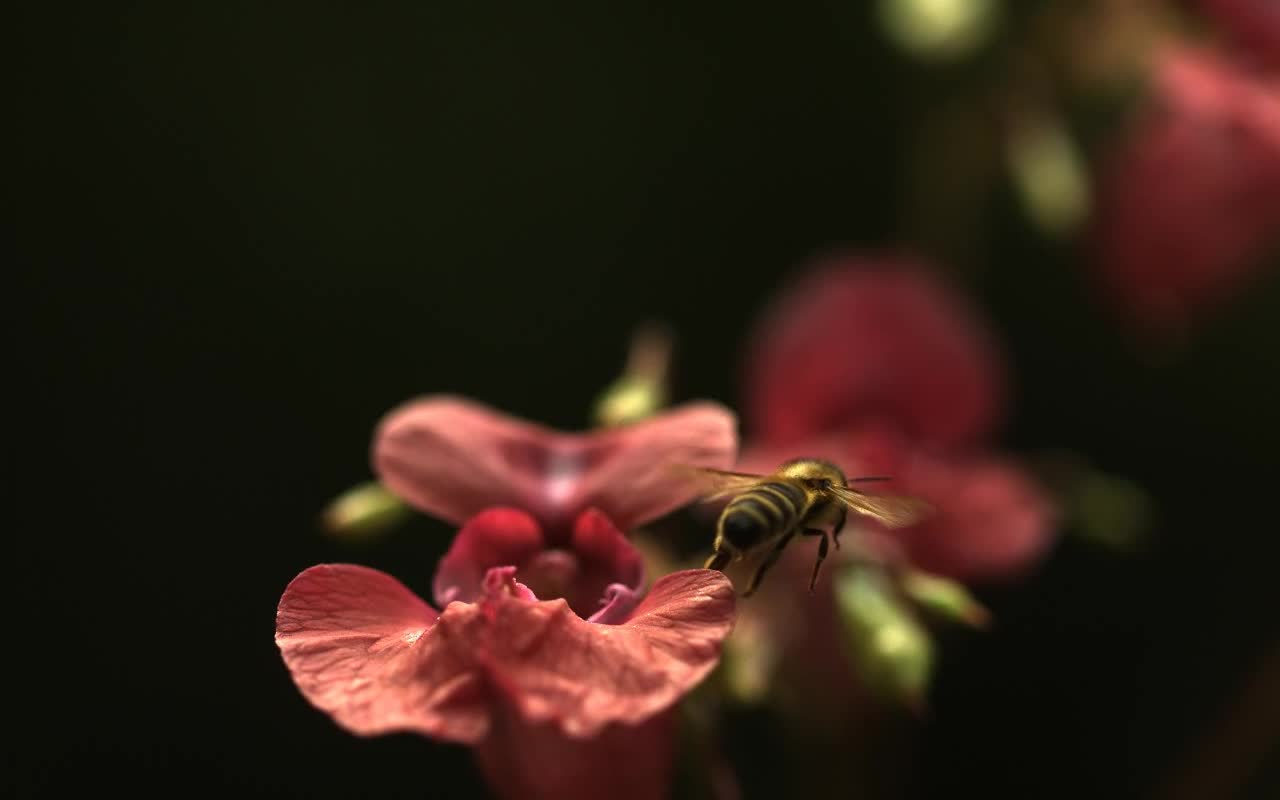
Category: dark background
[242,234]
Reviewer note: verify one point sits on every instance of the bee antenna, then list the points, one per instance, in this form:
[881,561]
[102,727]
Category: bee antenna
[871,478]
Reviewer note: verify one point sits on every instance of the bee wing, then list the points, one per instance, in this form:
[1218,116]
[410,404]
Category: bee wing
[891,511]
[717,483]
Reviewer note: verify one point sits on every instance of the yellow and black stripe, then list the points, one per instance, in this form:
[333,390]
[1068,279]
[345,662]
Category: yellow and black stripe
[767,510]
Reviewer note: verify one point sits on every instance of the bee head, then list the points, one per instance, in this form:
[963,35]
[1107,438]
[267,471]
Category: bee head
[813,473]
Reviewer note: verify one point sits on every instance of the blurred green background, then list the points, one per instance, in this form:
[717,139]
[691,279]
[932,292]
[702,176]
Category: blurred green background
[243,232]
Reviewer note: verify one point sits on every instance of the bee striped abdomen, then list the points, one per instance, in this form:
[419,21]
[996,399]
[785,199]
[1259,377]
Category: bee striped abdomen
[765,511]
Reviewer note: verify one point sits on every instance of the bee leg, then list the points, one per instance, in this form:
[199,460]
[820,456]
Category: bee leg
[768,561]
[719,560]
[822,556]
[839,526]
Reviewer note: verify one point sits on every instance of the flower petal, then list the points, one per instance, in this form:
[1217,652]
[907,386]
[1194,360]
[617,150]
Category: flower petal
[860,339]
[361,647]
[496,537]
[612,570]
[526,762]
[357,644]
[556,667]
[618,602]
[991,522]
[1254,24]
[454,458]
[627,470]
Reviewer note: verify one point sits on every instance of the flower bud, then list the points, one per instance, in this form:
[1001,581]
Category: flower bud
[1107,510]
[748,659]
[939,29]
[945,597]
[1049,173]
[363,511]
[641,391]
[891,650]
[1111,511]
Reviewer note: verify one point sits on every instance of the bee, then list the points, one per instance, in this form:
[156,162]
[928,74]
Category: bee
[804,497]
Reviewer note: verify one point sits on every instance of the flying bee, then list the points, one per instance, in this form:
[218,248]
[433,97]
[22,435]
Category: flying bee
[805,497]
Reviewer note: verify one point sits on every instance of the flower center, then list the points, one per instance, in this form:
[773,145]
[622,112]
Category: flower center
[551,574]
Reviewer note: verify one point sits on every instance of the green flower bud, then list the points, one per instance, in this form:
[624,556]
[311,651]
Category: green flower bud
[1049,173]
[628,400]
[363,511]
[1112,511]
[939,30]
[891,650]
[642,390]
[945,597]
[748,658]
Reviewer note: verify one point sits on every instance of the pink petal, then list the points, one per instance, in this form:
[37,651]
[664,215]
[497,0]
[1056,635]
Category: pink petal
[553,666]
[612,568]
[527,762]
[496,537]
[616,605]
[990,521]
[454,458]
[362,648]
[628,472]
[870,449]
[353,640]
[1255,24]
[861,338]
[1188,202]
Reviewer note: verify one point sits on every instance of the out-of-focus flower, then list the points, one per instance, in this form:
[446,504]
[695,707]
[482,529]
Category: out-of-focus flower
[453,458]
[1188,203]
[860,339]
[503,670]
[1253,24]
[876,366]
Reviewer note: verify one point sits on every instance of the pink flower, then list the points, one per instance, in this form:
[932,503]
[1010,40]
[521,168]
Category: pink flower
[543,688]
[1189,200]
[547,656]
[876,366]
[857,339]
[453,458]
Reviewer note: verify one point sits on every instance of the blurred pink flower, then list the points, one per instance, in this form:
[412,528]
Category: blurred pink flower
[1189,200]
[871,338]
[453,458]
[877,366]
[1253,24]
[524,680]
